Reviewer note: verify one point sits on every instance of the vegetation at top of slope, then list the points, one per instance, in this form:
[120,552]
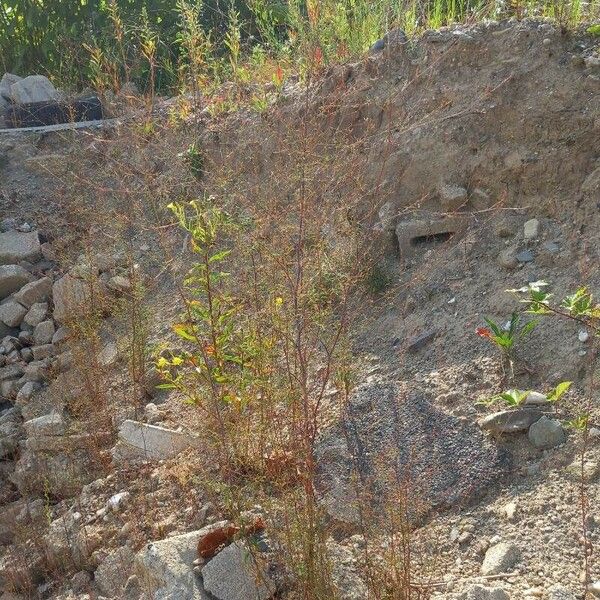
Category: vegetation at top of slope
[154,43]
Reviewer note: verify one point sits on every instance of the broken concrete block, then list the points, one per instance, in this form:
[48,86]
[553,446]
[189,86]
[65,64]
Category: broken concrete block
[16,246]
[139,440]
[425,232]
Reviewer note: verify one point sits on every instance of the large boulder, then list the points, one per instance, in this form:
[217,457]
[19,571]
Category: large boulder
[165,568]
[12,278]
[389,446]
[16,246]
[35,88]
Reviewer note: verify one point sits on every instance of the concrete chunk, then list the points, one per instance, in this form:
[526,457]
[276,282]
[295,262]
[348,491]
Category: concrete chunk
[150,441]
[16,246]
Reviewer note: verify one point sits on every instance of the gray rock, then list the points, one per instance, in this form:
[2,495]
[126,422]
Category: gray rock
[140,440]
[12,313]
[36,314]
[531,229]
[16,247]
[546,433]
[453,197]
[235,573]
[43,332]
[165,568]
[12,278]
[35,292]
[348,583]
[26,393]
[35,88]
[386,436]
[5,83]
[507,258]
[500,558]
[51,424]
[511,421]
[112,573]
[479,592]
[524,256]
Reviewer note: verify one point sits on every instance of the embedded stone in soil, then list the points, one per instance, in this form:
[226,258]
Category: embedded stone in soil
[390,446]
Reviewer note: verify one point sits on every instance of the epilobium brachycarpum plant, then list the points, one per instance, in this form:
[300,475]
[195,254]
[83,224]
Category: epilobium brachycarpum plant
[506,337]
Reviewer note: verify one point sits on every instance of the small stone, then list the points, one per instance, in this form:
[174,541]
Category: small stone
[536,399]
[421,340]
[119,284]
[12,313]
[510,510]
[511,421]
[594,589]
[546,42]
[507,258]
[43,333]
[583,336]
[500,558]
[546,433]
[479,592]
[531,229]
[524,256]
[118,501]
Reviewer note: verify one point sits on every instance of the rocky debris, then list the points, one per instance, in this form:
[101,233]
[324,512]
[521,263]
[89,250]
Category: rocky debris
[420,341]
[390,441]
[165,568]
[140,440]
[546,433]
[36,314]
[12,278]
[236,573]
[16,246]
[511,421]
[525,256]
[500,558]
[34,88]
[479,592]
[44,332]
[71,295]
[507,258]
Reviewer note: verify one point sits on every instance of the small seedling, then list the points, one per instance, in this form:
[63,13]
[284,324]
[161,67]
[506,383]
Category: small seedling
[515,398]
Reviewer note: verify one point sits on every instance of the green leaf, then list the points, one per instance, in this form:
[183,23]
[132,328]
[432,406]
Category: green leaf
[559,391]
